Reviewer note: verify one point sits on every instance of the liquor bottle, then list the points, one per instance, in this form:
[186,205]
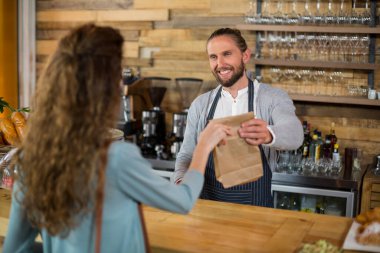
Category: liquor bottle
[327,149]
[314,149]
[335,154]
[333,137]
[318,147]
[336,162]
[304,149]
[320,206]
[356,164]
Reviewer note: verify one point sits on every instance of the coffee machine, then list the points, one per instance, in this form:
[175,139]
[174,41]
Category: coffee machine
[188,89]
[153,139]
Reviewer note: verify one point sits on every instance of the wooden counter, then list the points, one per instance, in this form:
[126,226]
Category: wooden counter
[223,227]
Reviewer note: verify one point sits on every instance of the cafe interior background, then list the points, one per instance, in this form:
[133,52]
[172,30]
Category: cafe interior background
[165,40]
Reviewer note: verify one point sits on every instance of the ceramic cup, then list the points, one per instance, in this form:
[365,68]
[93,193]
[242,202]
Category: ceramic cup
[371,94]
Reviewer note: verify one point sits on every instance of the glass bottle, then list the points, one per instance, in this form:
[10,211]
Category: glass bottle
[356,167]
[314,148]
[304,149]
[333,137]
[376,170]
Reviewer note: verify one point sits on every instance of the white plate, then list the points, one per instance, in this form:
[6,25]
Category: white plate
[351,244]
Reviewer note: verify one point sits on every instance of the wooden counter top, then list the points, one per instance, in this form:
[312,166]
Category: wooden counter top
[224,227]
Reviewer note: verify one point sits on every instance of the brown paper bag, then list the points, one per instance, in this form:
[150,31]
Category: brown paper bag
[237,162]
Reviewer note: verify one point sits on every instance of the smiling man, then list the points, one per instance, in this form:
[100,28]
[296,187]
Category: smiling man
[274,128]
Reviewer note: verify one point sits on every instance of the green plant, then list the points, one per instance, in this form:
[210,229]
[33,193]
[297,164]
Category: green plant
[5,104]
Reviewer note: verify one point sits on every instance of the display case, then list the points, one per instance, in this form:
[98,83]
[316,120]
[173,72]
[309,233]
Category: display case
[330,196]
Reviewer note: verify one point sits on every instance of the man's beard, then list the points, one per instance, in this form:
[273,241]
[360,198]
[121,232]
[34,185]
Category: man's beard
[234,78]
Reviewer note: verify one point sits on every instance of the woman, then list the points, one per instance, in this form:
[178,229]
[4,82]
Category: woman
[76,102]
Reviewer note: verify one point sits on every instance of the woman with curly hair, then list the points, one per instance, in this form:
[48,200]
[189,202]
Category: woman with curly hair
[61,179]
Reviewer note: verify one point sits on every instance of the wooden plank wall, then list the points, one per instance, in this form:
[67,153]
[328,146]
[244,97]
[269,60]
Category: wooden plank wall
[167,38]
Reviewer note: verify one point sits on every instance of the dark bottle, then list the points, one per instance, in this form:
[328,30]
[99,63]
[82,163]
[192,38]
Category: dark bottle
[327,149]
[304,149]
[333,138]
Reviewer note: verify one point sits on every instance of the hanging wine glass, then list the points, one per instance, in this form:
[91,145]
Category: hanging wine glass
[355,16]
[279,17]
[306,17]
[266,18]
[330,18]
[293,18]
[263,45]
[250,16]
[342,15]
[318,17]
[366,16]
[364,46]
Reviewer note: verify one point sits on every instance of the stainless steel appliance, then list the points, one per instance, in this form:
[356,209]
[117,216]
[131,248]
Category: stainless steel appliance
[127,120]
[188,89]
[153,140]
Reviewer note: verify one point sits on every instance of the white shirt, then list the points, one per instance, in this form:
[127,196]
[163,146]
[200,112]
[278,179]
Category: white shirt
[229,106]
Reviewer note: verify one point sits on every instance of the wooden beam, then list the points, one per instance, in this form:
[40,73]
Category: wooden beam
[200,22]
[227,6]
[131,49]
[103,16]
[171,4]
[179,55]
[137,62]
[128,25]
[66,16]
[84,5]
[174,74]
[47,47]
[133,15]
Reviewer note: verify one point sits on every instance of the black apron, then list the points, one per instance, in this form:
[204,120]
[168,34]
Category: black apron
[256,193]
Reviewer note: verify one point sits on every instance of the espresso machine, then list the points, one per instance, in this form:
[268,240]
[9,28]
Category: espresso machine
[153,139]
[188,89]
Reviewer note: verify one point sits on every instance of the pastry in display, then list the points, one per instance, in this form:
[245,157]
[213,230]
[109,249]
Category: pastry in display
[369,231]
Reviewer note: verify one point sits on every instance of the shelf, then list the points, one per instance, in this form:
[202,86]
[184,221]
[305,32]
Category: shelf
[313,29]
[311,181]
[316,64]
[336,100]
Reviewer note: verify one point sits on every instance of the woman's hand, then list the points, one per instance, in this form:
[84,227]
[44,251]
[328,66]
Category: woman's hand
[213,135]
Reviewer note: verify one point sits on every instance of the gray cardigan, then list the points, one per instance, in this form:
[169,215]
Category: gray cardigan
[272,105]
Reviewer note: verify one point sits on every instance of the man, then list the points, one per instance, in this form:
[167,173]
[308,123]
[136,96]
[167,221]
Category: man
[275,127]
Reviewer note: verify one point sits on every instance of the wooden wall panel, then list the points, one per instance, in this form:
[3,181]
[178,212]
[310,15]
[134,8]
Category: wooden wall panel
[238,7]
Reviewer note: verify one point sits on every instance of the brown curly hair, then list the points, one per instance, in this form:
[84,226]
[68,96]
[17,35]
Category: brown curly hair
[76,102]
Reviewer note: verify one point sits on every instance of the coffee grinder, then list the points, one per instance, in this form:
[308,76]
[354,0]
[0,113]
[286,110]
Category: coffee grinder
[129,77]
[153,120]
[188,89]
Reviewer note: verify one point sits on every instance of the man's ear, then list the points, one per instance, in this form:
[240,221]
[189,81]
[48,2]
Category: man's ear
[247,55]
